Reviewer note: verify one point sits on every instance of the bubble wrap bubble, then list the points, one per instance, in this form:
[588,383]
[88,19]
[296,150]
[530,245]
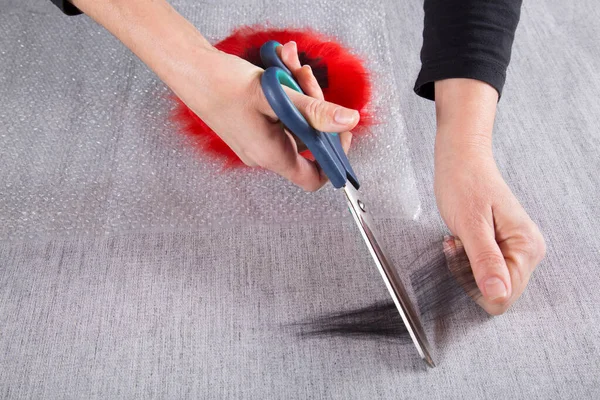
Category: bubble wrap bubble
[87,147]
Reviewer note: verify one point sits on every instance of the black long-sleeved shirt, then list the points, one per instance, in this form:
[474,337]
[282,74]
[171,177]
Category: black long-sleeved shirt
[467,39]
[66,7]
[461,39]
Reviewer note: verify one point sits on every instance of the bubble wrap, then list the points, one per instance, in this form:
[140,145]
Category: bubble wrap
[87,146]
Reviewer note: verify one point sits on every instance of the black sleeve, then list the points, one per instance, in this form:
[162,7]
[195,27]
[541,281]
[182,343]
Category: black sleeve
[467,39]
[67,7]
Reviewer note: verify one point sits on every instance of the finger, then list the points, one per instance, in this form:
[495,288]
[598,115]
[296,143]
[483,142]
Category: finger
[487,262]
[301,147]
[280,155]
[304,173]
[346,141]
[302,74]
[523,247]
[519,271]
[289,56]
[322,115]
[308,82]
[519,235]
[299,144]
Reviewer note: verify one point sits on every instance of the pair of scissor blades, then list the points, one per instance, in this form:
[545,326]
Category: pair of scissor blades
[327,150]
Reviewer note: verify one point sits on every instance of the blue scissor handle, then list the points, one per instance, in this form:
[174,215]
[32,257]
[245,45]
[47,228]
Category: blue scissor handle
[269,58]
[325,147]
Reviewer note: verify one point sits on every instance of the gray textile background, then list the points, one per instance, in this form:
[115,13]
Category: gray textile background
[115,281]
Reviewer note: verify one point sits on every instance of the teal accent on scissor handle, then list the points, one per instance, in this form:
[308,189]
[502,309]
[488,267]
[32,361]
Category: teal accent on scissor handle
[325,147]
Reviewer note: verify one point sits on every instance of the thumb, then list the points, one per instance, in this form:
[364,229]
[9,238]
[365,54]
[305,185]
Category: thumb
[487,262]
[323,115]
[320,114]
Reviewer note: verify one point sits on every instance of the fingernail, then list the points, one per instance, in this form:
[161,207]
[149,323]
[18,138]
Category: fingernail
[344,116]
[495,289]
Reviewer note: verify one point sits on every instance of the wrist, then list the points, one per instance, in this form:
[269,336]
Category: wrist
[465,112]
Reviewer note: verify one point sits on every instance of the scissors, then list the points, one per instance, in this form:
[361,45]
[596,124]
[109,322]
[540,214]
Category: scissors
[329,154]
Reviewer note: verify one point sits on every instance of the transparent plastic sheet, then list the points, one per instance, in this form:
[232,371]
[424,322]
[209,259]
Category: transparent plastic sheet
[88,148]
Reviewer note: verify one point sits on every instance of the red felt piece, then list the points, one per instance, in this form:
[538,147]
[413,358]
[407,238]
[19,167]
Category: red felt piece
[341,75]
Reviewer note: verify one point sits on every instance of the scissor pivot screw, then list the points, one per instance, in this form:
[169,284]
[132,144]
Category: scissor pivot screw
[362,205]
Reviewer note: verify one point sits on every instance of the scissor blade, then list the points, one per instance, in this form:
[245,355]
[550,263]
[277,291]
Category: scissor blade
[388,273]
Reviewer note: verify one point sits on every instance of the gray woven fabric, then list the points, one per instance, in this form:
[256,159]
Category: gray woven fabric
[120,277]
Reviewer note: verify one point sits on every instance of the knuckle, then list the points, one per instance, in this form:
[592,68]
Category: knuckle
[531,243]
[489,259]
[317,111]
[540,245]
[541,249]
[528,242]
[312,109]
